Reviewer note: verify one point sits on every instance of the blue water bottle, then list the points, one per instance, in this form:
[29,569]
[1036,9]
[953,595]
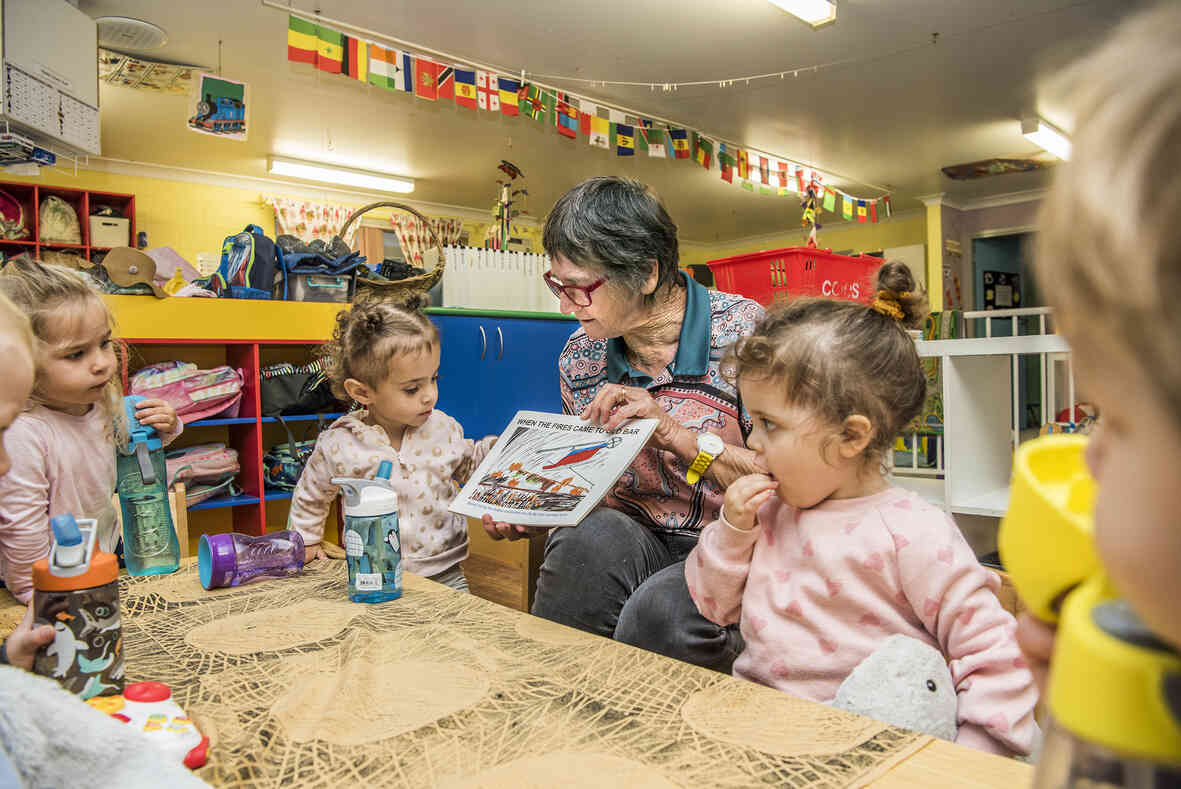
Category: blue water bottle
[372,544]
[150,546]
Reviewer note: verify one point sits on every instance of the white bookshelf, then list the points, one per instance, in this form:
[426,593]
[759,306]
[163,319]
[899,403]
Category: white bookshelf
[980,427]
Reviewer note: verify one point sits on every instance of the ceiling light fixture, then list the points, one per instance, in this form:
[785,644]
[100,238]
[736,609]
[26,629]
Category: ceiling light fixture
[1046,137]
[814,12]
[378,182]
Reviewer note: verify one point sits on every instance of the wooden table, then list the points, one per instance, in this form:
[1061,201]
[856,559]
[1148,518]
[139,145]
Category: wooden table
[298,686]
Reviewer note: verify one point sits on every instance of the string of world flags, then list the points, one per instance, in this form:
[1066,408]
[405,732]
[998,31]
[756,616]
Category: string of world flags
[604,127]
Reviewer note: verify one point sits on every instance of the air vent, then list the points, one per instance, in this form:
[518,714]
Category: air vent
[123,32]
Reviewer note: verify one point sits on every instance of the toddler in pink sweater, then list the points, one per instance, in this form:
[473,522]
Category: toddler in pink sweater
[820,559]
[62,444]
[387,359]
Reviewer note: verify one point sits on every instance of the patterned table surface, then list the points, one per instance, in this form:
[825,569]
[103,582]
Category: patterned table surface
[297,686]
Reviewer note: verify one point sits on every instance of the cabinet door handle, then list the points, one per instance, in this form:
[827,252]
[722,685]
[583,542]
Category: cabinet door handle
[483,343]
[500,353]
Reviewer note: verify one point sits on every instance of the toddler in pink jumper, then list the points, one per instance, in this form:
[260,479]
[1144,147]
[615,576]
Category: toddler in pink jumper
[820,559]
[62,444]
[387,359]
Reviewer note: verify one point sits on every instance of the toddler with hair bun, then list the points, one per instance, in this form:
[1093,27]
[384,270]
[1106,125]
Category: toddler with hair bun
[820,559]
[386,359]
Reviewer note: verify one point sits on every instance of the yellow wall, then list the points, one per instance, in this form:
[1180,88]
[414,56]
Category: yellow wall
[196,217]
[897,231]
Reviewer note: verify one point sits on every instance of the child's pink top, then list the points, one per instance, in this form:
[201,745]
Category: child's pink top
[433,539]
[60,464]
[816,591]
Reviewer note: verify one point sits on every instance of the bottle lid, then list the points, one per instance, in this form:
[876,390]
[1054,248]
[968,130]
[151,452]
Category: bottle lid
[71,551]
[216,560]
[367,497]
[137,433]
[104,569]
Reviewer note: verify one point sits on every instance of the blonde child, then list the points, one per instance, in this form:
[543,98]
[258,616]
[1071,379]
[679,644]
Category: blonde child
[386,358]
[62,444]
[1113,278]
[820,559]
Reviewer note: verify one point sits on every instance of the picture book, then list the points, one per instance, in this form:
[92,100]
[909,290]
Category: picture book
[550,469]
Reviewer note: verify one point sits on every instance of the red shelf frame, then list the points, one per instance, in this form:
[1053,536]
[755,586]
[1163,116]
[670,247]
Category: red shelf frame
[30,196]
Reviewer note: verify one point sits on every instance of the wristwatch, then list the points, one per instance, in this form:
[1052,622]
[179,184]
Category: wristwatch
[709,446]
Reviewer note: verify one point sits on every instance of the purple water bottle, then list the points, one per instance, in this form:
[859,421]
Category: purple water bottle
[234,559]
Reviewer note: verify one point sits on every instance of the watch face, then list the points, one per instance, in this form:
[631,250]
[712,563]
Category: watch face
[711,443]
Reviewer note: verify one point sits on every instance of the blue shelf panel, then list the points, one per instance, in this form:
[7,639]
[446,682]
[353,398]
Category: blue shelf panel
[304,417]
[225,501]
[276,495]
[242,420]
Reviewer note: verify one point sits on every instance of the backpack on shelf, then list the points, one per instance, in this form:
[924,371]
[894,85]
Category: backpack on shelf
[195,394]
[252,267]
[296,389]
[283,463]
[207,470]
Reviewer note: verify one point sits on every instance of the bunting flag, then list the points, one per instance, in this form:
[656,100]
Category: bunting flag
[680,142]
[704,150]
[656,142]
[530,102]
[465,88]
[390,69]
[642,125]
[726,163]
[301,41]
[355,61]
[567,119]
[446,83]
[599,132]
[606,127]
[426,76]
[625,140]
[487,91]
[509,88]
[329,50]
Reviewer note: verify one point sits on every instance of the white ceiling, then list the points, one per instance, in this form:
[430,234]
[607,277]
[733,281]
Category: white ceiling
[897,109]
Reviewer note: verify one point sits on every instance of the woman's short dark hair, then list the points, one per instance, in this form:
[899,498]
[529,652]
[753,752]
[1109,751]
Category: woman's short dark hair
[617,226]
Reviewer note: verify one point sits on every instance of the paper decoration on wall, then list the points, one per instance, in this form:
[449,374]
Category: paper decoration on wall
[571,115]
[221,106]
[127,71]
[1002,290]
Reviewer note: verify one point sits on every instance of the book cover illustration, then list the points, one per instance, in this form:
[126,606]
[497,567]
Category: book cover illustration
[550,469]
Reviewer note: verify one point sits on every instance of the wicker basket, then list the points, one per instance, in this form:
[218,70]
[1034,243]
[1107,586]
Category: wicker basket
[402,289]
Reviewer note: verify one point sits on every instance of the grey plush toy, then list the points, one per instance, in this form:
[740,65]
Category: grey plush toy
[906,683]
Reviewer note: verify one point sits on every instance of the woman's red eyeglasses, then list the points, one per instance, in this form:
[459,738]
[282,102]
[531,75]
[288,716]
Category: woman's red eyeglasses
[579,295]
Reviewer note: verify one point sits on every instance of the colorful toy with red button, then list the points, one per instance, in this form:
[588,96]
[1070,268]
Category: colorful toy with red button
[149,708]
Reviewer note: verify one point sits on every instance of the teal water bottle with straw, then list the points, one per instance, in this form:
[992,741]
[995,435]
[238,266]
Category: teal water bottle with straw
[150,546]
[372,543]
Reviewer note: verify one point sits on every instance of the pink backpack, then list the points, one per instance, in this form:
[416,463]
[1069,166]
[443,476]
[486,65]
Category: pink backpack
[195,394]
[207,470]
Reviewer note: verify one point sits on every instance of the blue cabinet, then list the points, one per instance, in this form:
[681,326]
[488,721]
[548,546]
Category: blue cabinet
[492,367]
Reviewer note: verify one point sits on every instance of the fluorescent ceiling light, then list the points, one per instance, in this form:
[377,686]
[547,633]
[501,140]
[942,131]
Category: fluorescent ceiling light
[1046,137]
[339,175]
[814,12]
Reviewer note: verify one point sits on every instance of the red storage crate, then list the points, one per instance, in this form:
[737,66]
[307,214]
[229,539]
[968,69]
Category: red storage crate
[781,274]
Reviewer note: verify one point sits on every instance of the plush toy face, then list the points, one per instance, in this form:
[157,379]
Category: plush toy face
[904,682]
